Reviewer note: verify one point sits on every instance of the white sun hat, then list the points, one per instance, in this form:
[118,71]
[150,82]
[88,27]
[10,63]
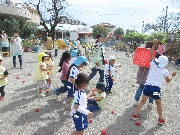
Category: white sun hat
[162,61]
[112,58]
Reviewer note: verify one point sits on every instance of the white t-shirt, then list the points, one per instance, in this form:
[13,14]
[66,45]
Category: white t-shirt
[109,68]
[74,71]
[72,60]
[80,99]
[156,75]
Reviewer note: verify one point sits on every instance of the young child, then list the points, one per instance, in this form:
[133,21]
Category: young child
[41,72]
[64,64]
[74,70]
[49,63]
[154,81]
[97,98]
[141,80]
[79,105]
[3,79]
[56,45]
[73,58]
[109,73]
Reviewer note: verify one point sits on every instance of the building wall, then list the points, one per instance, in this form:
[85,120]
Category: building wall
[18,13]
[73,35]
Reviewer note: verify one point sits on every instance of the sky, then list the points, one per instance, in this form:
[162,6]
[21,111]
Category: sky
[127,14]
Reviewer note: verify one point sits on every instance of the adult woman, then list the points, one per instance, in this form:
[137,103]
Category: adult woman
[16,48]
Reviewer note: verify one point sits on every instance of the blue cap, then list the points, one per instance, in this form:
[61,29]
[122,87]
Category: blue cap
[73,53]
[81,60]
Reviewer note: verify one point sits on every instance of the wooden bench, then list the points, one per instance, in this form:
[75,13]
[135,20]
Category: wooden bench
[7,53]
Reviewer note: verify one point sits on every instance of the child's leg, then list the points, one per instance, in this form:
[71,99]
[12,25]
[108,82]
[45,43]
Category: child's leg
[41,84]
[101,72]
[78,133]
[108,83]
[140,105]
[159,108]
[2,91]
[139,92]
[90,101]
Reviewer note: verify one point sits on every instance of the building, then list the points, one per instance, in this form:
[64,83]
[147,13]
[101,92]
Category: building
[18,11]
[108,26]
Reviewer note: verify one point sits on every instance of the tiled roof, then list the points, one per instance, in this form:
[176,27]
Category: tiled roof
[105,25]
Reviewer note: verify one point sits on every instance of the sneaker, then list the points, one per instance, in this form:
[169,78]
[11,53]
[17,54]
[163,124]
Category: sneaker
[41,95]
[136,103]
[134,117]
[161,121]
[21,67]
[13,68]
[68,113]
[1,98]
[150,105]
[65,103]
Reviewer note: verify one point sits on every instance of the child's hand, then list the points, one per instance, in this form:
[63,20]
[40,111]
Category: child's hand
[90,114]
[112,79]
[173,74]
[119,65]
[110,35]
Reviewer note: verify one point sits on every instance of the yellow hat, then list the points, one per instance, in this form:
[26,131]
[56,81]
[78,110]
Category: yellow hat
[56,43]
[41,55]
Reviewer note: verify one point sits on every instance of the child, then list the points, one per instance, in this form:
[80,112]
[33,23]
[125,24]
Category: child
[64,64]
[141,80]
[74,70]
[79,105]
[73,58]
[154,81]
[3,79]
[99,99]
[41,72]
[109,73]
[98,57]
[49,63]
[56,45]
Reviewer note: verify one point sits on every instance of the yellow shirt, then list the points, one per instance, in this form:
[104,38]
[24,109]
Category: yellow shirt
[102,102]
[3,81]
[56,46]
[39,74]
[50,63]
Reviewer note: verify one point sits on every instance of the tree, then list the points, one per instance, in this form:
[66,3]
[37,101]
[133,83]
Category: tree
[28,29]
[52,12]
[98,29]
[118,32]
[134,37]
[9,24]
[160,36]
[165,23]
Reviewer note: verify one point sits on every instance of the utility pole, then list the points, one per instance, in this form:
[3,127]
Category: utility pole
[165,20]
[143,27]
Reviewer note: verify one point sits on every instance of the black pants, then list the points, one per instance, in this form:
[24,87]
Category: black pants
[2,91]
[4,49]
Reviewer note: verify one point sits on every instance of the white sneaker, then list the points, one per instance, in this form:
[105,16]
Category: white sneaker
[41,95]
[68,113]
[150,105]
[66,105]
[136,103]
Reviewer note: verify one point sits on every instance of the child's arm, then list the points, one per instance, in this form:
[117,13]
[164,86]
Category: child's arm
[3,77]
[44,69]
[155,41]
[97,98]
[109,72]
[90,95]
[72,80]
[169,78]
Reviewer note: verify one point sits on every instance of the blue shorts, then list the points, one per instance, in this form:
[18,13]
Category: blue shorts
[153,91]
[70,88]
[80,121]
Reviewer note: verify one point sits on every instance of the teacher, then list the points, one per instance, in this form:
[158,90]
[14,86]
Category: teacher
[16,48]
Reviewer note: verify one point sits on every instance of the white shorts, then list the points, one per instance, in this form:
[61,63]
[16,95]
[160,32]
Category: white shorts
[50,76]
[41,83]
